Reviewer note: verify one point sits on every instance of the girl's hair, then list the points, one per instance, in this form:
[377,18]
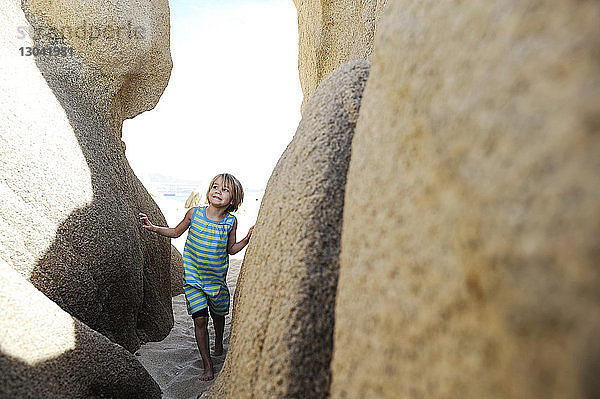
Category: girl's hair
[237,192]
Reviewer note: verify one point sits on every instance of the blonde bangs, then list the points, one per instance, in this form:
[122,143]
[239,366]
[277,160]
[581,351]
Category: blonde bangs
[237,192]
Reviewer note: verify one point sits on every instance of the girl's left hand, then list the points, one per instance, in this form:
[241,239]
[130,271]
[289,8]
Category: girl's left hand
[250,232]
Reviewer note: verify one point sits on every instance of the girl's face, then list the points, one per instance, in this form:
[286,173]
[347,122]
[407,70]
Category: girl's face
[219,195]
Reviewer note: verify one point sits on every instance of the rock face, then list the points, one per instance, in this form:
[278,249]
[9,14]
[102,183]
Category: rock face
[331,33]
[176,272]
[69,198]
[47,353]
[283,318]
[124,45]
[471,234]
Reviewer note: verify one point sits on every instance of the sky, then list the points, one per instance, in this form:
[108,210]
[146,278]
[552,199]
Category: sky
[233,100]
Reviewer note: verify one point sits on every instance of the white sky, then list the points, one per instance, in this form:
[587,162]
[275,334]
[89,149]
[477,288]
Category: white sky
[233,100]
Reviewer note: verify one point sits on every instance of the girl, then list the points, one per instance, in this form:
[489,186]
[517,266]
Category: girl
[205,259]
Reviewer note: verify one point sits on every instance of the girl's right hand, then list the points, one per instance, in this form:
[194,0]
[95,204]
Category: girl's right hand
[145,221]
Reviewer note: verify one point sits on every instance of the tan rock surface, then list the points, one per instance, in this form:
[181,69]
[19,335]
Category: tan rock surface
[470,246]
[46,353]
[332,32]
[176,272]
[69,198]
[283,308]
[126,43]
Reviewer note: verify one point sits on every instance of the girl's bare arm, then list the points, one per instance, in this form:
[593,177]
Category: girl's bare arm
[235,247]
[172,232]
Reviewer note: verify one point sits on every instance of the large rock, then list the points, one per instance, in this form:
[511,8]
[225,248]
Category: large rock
[471,235]
[124,43]
[281,340]
[176,272]
[46,353]
[332,32]
[69,198]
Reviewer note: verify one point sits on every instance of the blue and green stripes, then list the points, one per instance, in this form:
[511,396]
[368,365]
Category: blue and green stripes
[205,263]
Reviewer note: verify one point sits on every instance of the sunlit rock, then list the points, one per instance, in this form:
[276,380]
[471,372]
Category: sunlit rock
[282,330]
[46,353]
[470,245]
[69,198]
[331,33]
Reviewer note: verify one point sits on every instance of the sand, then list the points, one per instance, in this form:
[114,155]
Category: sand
[175,362]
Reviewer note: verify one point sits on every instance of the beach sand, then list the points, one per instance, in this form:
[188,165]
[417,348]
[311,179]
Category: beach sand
[175,362]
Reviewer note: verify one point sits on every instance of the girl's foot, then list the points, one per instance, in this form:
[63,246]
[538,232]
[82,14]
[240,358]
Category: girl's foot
[218,351]
[207,375]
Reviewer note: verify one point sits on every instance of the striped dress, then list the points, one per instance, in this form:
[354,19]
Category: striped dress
[205,263]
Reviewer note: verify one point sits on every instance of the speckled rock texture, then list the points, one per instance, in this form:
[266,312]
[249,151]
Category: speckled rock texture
[46,353]
[69,198]
[332,32]
[176,272]
[471,234]
[124,43]
[282,325]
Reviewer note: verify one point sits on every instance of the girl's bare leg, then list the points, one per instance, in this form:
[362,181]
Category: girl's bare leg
[219,322]
[201,331]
